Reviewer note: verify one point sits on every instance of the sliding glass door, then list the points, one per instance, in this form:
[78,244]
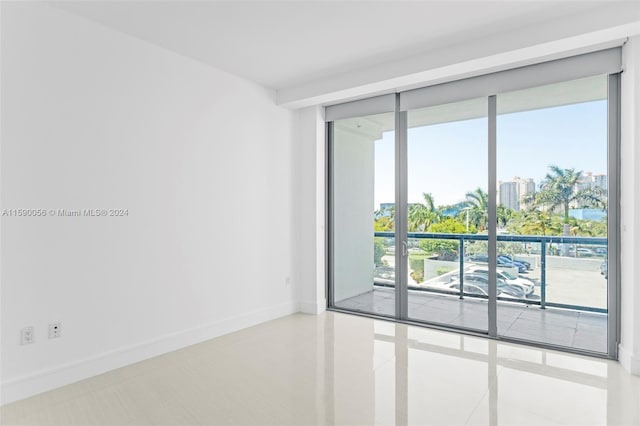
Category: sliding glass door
[447,200]
[363,203]
[553,187]
[486,205]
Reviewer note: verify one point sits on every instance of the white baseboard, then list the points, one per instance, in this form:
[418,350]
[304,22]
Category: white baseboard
[629,361]
[42,381]
[313,307]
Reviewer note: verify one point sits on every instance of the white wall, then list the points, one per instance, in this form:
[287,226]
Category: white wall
[310,217]
[629,350]
[353,197]
[201,159]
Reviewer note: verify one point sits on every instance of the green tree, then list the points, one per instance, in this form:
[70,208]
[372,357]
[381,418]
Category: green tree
[444,249]
[537,222]
[587,228]
[448,226]
[559,190]
[504,215]
[477,201]
[383,224]
[598,227]
[423,215]
[473,247]
[379,250]
[384,219]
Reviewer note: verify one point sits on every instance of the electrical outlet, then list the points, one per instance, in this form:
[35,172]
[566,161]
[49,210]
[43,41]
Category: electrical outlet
[55,330]
[26,336]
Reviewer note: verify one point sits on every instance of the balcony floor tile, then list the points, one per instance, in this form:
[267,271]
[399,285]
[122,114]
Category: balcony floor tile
[573,329]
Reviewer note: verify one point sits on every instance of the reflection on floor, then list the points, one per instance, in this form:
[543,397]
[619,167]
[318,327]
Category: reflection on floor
[575,329]
[337,369]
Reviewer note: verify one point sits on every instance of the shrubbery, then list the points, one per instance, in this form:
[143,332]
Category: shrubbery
[445,249]
[379,250]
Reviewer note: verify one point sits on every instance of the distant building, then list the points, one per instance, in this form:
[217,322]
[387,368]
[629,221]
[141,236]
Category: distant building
[526,186]
[387,208]
[513,194]
[453,210]
[589,180]
[509,195]
[600,181]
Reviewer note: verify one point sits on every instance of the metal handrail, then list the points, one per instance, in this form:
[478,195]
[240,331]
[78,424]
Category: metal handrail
[502,237]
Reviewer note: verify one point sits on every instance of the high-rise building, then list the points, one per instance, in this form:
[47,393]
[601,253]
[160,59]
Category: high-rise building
[509,195]
[600,181]
[526,186]
[512,194]
[587,181]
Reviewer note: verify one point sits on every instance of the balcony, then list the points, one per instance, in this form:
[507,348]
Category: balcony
[566,307]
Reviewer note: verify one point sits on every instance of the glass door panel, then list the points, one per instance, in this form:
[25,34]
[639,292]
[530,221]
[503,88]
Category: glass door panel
[363,180]
[552,187]
[447,213]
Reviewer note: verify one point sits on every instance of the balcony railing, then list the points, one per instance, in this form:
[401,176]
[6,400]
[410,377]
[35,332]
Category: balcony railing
[563,243]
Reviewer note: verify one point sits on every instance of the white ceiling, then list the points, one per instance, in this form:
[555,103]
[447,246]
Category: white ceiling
[287,44]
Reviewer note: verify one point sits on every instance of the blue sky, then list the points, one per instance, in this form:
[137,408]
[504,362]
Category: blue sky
[450,159]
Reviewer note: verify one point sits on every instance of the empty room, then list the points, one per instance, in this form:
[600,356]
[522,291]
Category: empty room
[320,212]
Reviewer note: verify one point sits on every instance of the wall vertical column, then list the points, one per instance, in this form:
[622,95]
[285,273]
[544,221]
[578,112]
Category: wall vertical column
[353,196]
[629,348]
[310,207]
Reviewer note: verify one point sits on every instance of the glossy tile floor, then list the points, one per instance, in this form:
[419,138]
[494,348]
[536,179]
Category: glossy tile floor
[561,327]
[343,369]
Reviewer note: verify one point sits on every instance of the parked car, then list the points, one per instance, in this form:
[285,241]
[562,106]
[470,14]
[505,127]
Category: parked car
[526,284]
[501,262]
[514,260]
[482,281]
[584,252]
[479,257]
[470,287]
[600,251]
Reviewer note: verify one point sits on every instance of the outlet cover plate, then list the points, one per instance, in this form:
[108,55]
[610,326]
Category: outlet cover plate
[27,336]
[55,330]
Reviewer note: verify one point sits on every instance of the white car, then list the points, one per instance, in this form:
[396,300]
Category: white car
[476,284]
[584,252]
[524,283]
[453,287]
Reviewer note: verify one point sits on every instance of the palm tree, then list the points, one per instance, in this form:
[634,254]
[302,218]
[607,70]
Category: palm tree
[580,228]
[537,222]
[383,224]
[559,190]
[477,201]
[504,215]
[384,219]
[423,215]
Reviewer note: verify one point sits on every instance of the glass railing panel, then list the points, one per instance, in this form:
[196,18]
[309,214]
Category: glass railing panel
[437,293]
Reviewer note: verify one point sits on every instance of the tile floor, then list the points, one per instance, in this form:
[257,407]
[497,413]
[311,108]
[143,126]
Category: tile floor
[343,369]
[574,329]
